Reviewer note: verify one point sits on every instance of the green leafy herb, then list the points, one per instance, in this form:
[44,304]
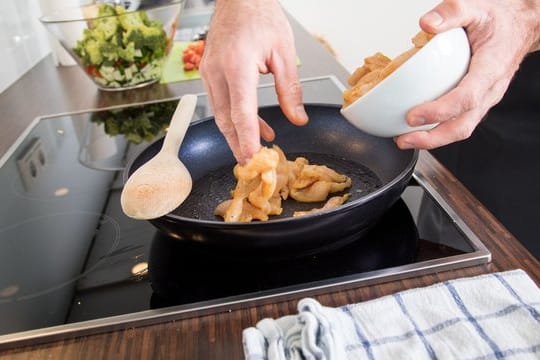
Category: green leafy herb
[137,123]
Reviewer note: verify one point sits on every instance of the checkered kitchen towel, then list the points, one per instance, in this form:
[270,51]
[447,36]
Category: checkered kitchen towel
[495,316]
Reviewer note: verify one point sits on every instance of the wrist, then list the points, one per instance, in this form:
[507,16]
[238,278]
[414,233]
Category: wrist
[534,12]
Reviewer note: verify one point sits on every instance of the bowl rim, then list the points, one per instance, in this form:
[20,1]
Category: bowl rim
[56,17]
[403,67]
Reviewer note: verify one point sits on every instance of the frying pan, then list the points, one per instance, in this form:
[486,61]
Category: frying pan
[379,170]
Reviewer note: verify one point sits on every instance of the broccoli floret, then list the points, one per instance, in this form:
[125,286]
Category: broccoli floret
[143,33]
[90,51]
[107,10]
[154,39]
[110,51]
[120,41]
[127,53]
[106,27]
[131,21]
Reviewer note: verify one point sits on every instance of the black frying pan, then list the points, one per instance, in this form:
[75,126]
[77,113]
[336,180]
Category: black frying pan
[379,171]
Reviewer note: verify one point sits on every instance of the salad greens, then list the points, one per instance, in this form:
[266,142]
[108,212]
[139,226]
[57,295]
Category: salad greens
[121,49]
[137,123]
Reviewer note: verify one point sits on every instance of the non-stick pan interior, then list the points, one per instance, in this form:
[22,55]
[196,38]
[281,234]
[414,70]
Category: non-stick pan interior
[328,139]
[216,186]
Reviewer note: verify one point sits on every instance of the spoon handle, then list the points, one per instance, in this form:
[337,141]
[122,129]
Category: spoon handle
[179,124]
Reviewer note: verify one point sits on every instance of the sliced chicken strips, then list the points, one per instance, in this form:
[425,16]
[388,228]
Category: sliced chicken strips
[332,203]
[268,178]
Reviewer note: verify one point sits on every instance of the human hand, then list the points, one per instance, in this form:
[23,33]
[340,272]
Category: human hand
[246,39]
[501,33]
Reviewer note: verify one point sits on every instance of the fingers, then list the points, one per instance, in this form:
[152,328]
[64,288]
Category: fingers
[445,16]
[457,113]
[233,98]
[218,91]
[232,84]
[482,87]
[490,71]
[498,43]
[445,133]
[242,84]
[464,98]
[267,133]
[288,87]
[235,111]
[290,99]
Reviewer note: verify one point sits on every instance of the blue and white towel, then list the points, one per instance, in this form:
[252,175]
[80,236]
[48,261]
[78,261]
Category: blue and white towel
[494,316]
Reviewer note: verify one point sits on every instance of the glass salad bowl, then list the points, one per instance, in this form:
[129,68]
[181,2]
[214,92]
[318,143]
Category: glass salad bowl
[119,45]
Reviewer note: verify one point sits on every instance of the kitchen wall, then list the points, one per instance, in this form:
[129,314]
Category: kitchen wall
[23,41]
[354,29]
[357,29]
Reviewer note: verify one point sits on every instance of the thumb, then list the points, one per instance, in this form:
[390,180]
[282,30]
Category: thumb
[447,15]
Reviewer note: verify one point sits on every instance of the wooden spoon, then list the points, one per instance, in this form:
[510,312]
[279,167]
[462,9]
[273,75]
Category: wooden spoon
[163,182]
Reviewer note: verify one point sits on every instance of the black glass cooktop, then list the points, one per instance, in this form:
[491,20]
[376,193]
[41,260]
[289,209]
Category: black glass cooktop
[71,262]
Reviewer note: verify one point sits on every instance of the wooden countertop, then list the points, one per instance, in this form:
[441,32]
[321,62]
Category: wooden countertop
[49,90]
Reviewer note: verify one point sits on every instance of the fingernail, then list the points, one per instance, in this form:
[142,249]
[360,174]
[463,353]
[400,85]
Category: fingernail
[301,113]
[404,145]
[433,18]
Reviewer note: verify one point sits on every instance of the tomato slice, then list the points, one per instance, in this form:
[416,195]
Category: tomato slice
[93,71]
[191,56]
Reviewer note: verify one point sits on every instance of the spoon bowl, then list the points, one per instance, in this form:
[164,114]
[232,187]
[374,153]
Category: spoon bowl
[162,183]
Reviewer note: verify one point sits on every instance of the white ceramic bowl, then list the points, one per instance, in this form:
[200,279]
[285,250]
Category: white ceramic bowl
[434,70]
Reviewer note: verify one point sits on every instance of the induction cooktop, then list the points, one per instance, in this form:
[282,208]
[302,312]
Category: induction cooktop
[71,263]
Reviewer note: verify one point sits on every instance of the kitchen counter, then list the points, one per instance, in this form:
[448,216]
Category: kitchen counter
[46,89]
